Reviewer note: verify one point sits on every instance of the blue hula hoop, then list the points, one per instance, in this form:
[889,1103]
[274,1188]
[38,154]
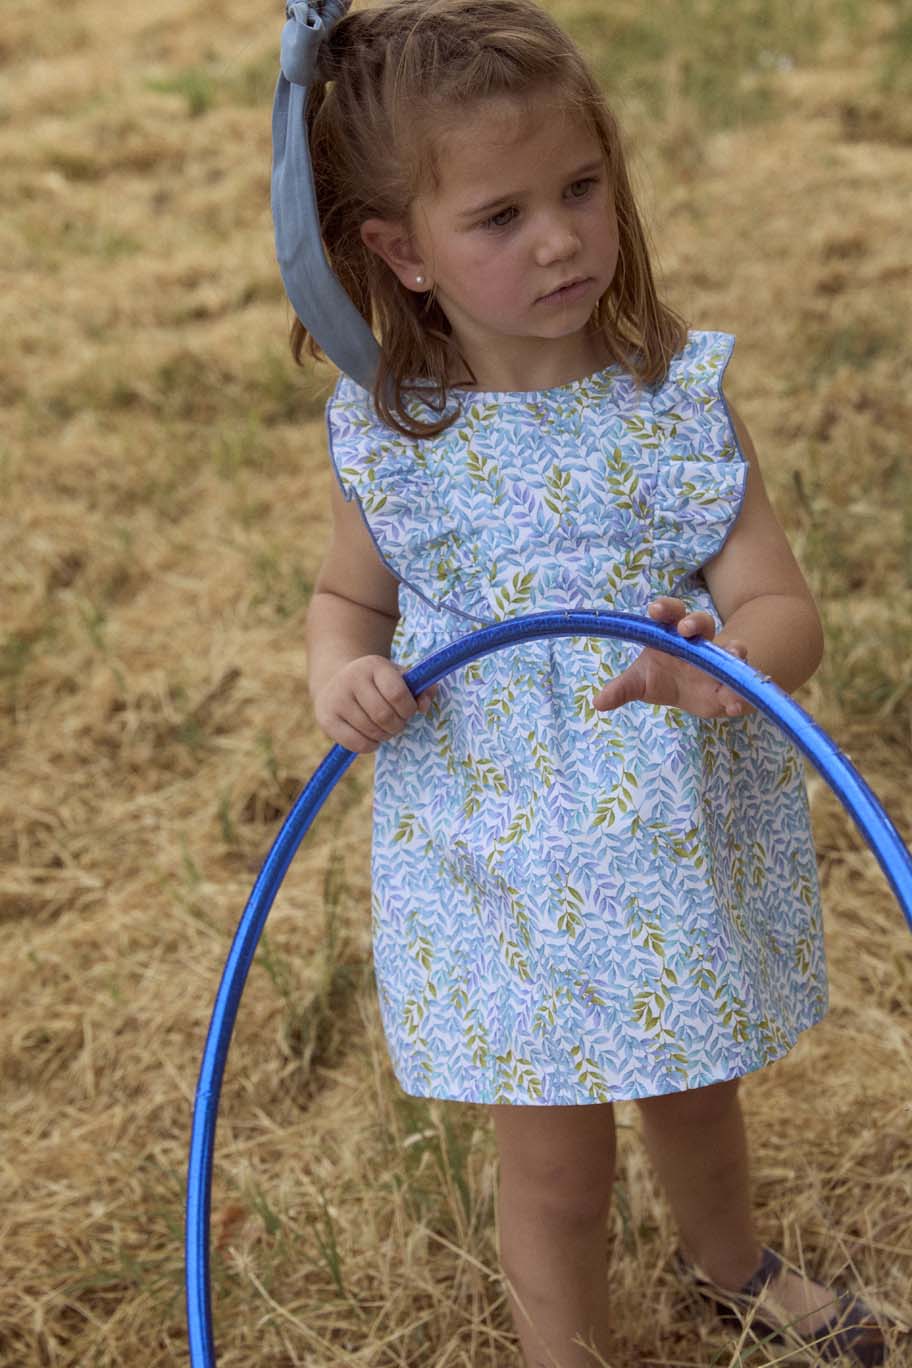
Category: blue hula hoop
[767,697]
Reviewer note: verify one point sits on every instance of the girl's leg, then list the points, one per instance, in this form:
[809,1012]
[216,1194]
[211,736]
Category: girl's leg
[556,1176]
[697,1144]
[698,1147]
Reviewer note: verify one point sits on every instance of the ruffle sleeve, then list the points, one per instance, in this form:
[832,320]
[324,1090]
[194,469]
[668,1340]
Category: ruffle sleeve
[416,536]
[702,473]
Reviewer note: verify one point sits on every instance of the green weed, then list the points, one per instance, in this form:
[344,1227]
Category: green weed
[189,732]
[277,393]
[717,61]
[17,650]
[433,1172]
[326,1240]
[192,387]
[622,1205]
[285,585]
[226,822]
[272,1223]
[205,87]
[95,239]
[254,83]
[195,84]
[267,749]
[192,873]
[855,344]
[53,241]
[314,1024]
[95,622]
[238,446]
[868,682]
[896,71]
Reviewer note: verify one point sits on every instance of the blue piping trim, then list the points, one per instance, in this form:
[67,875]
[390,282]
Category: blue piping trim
[730,346]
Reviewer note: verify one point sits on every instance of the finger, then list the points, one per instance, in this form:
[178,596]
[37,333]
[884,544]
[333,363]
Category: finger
[734,704]
[426,698]
[699,623]
[363,712]
[397,702]
[729,703]
[666,609]
[389,717]
[350,737]
[733,646]
[624,688]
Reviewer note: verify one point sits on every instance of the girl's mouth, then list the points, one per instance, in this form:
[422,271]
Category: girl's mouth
[566,294]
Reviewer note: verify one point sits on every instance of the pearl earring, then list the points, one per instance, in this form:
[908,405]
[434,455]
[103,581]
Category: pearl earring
[419,280]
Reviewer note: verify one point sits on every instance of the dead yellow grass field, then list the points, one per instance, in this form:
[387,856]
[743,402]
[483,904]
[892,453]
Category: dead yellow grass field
[164,486]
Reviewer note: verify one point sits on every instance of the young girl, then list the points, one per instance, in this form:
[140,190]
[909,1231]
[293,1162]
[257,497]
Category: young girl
[593,872]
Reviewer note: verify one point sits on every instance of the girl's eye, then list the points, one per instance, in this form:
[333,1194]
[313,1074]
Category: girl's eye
[502,219]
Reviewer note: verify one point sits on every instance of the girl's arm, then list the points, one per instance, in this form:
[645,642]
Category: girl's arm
[358,695]
[769,616]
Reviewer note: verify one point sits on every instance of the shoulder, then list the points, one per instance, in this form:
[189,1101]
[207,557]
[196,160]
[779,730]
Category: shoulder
[361,446]
[702,361]
[691,392]
[350,403]
[691,398]
[741,433]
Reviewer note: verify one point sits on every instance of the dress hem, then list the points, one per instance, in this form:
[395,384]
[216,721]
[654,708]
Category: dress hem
[628,1097]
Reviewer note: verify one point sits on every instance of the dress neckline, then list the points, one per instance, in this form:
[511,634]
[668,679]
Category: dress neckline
[525,396]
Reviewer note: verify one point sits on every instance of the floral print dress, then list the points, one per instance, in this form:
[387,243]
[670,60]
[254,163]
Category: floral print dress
[572,907]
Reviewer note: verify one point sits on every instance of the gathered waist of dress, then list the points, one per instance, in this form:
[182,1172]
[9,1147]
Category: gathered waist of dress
[425,627]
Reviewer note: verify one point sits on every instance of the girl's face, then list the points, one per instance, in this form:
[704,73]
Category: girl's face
[519,240]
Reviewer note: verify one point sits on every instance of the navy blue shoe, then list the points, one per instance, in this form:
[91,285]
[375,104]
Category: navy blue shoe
[852,1333]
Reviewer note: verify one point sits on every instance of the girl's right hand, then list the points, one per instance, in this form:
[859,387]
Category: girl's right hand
[656,677]
[366,702]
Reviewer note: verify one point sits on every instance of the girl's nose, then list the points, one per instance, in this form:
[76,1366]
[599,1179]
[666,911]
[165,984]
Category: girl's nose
[558,240]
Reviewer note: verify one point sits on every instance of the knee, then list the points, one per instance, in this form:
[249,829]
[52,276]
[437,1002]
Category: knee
[569,1195]
[556,1163]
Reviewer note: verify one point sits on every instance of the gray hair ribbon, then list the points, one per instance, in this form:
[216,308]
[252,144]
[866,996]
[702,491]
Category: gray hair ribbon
[316,294]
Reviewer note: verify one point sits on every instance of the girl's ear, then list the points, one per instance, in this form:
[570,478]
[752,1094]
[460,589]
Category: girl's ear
[394,244]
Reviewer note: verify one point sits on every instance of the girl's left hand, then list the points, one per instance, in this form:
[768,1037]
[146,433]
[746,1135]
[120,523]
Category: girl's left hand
[655,677]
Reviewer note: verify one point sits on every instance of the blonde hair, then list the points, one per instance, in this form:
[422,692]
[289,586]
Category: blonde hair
[393,78]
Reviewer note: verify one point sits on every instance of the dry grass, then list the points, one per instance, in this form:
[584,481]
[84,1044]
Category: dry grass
[164,492]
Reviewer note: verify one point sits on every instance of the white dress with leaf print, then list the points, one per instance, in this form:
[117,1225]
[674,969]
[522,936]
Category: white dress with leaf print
[573,907]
